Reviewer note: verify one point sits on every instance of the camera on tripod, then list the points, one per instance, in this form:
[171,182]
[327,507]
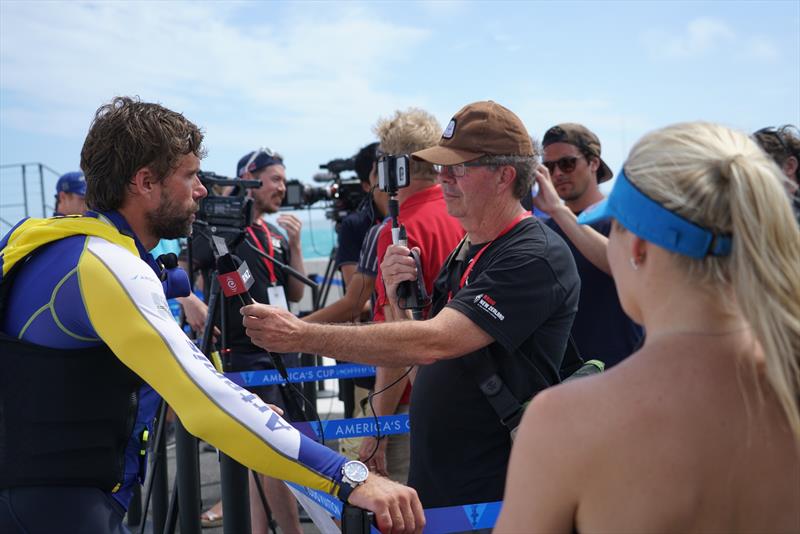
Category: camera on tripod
[344,194]
[226,212]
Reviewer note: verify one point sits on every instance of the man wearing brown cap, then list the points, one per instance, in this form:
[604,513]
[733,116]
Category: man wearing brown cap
[572,160]
[503,302]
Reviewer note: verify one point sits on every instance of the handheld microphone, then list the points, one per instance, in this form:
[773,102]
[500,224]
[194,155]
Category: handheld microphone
[234,281]
[174,279]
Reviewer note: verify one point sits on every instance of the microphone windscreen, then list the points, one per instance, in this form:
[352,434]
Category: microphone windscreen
[176,283]
[226,264]
[168,260]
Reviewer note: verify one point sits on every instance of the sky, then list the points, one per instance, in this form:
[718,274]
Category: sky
[310,79]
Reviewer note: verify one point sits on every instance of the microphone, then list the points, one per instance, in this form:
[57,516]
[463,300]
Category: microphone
[174,279]
[234,281]
[237,282]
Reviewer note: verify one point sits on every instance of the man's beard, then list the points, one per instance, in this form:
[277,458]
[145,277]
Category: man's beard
[170,221]
[266,206]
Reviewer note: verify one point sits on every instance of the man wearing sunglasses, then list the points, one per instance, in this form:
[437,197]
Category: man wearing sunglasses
[504,300]
[572,161]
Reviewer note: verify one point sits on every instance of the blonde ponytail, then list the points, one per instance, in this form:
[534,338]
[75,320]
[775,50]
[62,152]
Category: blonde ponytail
[721,180]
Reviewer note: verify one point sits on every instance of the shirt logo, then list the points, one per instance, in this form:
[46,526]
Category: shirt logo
[487,304]
[160,304]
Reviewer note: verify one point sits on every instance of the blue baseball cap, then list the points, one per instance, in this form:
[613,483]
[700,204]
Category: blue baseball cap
[653,222]
[257,159]
[72,182]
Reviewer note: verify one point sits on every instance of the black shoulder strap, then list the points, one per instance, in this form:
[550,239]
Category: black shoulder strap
[572,359]
[480,364]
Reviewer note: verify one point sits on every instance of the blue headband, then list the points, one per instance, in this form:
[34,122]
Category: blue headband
[653,222]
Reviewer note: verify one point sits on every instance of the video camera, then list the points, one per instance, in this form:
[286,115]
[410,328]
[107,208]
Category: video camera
[344,194]
[225,214]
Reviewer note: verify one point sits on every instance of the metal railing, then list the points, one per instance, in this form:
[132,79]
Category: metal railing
[28,172]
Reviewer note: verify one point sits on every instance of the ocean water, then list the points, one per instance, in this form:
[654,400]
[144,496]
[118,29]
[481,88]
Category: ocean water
[318,236]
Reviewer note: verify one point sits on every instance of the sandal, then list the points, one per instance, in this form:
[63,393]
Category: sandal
[210,519]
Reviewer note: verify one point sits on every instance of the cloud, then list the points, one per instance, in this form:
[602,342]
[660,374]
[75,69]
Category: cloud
[760,49]
[199,58]
[701,36]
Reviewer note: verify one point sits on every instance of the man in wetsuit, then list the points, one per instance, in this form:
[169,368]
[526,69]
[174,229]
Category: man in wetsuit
[87,343]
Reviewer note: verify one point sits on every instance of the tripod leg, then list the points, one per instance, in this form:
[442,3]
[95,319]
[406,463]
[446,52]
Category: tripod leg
[273,525]
[235,495]
[172,510]
[187,476]
[156,470]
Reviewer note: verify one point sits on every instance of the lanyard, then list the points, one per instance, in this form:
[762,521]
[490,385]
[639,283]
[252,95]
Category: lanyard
[477,256]
[270,268]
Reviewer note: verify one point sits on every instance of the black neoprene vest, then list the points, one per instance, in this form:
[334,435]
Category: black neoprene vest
[66,416]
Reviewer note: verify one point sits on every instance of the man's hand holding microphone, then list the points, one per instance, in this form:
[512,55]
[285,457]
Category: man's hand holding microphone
[397,508]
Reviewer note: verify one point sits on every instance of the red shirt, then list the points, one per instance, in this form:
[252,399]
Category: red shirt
[429,227]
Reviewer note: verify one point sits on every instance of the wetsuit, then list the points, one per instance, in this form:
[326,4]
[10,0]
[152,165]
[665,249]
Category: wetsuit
[86,284]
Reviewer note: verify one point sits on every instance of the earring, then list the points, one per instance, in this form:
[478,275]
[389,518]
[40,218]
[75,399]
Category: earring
[634,264]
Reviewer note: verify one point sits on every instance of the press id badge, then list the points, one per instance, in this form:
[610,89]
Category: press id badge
[277,297]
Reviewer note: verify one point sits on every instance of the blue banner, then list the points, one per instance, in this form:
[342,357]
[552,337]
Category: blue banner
[444,520]
[462,518]
[356,428]
[330,503]
[301,374]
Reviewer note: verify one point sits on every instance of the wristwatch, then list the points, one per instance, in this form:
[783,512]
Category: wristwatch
[354,473]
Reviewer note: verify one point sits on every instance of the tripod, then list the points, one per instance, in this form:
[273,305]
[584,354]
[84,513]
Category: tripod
[322,295]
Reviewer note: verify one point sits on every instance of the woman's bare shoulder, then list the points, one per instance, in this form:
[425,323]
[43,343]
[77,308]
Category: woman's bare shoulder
[597,410]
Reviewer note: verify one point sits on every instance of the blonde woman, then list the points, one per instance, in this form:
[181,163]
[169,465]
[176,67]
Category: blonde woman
[699,430]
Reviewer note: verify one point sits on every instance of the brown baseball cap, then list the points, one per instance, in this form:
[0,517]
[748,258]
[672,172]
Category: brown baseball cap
[583,138]
[479,129]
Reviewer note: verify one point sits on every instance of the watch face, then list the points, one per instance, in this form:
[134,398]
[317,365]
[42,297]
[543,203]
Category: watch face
[356,471]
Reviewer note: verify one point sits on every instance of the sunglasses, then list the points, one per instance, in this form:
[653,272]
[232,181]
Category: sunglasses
[256,153]
[776,133]
[456,171]
[566,164]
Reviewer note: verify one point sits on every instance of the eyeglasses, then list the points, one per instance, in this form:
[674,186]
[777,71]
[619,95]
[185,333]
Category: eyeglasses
[457,171]
[256,153]
[567,164]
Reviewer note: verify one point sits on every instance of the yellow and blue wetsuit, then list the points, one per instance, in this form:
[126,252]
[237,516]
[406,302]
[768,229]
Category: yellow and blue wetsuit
[88,282]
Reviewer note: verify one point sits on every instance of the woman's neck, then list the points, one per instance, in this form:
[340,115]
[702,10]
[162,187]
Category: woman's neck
[691,310]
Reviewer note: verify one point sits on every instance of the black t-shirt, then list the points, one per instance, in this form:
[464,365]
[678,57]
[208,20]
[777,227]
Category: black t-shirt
[601,329]
[204,259]
[351,232]
[523,291]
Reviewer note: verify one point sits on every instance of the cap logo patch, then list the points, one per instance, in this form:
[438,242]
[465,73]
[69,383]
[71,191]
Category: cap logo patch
[450,130]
